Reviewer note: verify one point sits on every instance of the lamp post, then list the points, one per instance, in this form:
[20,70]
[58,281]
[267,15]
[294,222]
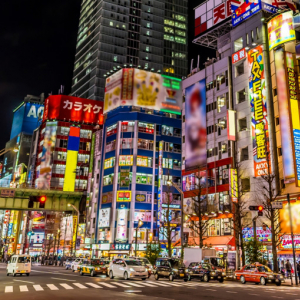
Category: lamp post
[29,234]
[139,224]
[75,208]
[171,183]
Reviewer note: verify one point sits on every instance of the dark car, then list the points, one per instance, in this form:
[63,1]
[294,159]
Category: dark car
[204,272]
[171,268]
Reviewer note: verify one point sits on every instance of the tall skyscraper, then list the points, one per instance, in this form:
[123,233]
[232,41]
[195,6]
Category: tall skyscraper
[149,34]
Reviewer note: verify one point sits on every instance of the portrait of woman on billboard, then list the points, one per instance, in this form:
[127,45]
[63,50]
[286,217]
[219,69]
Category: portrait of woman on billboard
[195,128]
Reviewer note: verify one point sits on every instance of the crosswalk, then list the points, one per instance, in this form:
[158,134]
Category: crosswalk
[129,284]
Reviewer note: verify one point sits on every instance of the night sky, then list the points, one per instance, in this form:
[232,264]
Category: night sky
[37,50]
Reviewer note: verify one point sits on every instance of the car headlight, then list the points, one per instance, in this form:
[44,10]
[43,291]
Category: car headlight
[270,276]
[212,273]
[146,270]
[281,277]
[131,269]
[175,270]
[223,273]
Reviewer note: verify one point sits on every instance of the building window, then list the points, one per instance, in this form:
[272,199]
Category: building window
[257,33]
[241,96]
[238,44]
[221,102]
[239,69]
[148,49]
[247,38]
[144,161]
[245,182]
[279,152]
[110,146]
[242,124]
[145,144]
[244,154]
[146,127]
[277,121]
[115,58]
[109,163]
[143,178]
[108,180]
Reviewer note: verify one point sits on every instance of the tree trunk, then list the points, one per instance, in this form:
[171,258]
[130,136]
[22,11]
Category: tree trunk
[274,242]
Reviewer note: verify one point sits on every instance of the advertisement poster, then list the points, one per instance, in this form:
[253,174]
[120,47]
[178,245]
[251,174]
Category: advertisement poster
[67,228]
[43,181]
[38,220]
[107,197]
[188,182]
[245,11]
[126,160]
[195,125]
[259,121]
[160,173]
[123,196]
[284,117]
[122,220]
[286,242]
[285,218]
[125,178]
[73,109]
[281,29]
[264,236]
[233,185]
[144,216]
[104,217]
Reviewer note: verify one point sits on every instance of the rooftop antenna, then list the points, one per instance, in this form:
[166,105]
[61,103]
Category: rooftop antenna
[198,62]
[192,62]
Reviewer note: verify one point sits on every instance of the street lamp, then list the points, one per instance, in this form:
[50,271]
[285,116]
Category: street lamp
[139,224]
[30,233]
[171,183]
[75,208]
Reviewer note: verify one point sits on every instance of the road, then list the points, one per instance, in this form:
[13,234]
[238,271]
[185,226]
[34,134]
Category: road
[56,283]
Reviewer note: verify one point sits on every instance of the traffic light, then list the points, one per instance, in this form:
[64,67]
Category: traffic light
[42,200]
[260,211]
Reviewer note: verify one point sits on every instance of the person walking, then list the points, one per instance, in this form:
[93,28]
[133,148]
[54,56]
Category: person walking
[288,268]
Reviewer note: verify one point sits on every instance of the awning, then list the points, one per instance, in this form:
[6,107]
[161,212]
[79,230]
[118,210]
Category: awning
[288,252]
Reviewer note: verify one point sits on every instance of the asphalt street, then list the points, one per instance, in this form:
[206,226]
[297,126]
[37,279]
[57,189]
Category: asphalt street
[57,283]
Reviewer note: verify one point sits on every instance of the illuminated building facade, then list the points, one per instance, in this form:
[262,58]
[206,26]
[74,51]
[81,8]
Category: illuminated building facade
[150,34]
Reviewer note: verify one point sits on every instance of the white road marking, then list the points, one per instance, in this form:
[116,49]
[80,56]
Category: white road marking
[8,289]
[52,287]
[24,281]
[107,285]
[23,288]
[81,286]
[37,287]
[134,284]
[55,273]
[63,279]
[66,286]
[210,290]
[94,285]
[121,284]
[161,284]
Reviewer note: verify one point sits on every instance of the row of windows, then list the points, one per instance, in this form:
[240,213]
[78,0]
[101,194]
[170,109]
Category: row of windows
[176,39]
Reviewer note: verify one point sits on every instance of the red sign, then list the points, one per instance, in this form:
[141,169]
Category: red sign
[68,108]
[239,55]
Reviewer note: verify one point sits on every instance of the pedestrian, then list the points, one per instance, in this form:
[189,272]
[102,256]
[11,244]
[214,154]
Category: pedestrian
[270,265]
[288,268]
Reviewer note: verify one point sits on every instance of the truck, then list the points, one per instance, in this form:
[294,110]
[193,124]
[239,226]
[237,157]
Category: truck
[205,255]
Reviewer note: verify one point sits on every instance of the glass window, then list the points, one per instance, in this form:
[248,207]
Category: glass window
[242,124]
[180,25]
[110,146]
[146,127]
[169,22]
[169,30]
[167,130]
[143,178]
[111,130]
[144,161]
[239,69]
[238,44]
[127,126]
[180,40]
[169,37]
[145,144]
[126,160]
[241,96]
[107,180]
[109,163]
[220,102]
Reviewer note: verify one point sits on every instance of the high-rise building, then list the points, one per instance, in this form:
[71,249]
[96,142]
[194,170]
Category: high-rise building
[148,34]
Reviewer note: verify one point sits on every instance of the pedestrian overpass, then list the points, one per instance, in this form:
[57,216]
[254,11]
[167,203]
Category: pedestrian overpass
[18,198]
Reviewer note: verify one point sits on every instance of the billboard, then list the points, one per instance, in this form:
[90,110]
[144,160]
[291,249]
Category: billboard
[38,220]
[281,29]
[264,236]
[284,217]
[282,62]
[122,224]
[245,11]
[73,109]
[259,121]
[233,185]
[45,171]
[195,125]
[26,118]
[143,89]
[123,196]
[104,217]
[71,163]
[286,242]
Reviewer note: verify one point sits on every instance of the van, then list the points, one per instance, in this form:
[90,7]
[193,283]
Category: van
[19,264]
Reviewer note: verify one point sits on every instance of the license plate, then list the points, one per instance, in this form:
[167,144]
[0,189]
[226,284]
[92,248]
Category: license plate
[219,277]
[276,280]
[22,271]
[181,275]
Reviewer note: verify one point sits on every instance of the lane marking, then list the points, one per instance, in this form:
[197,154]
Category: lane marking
[37,287]
[94,285]
[55,273]
[107,285]
[8,289]
[23,288]
[134,284]
[66,286]
[148,284]
[62,279]
[121,284]
[52,287]
[81,286]
[24,281]
[231,292]
[210,290]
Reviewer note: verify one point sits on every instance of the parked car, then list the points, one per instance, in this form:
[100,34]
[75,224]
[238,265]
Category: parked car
[69,262]
[171,268]
[204,272]
[127,268]
[258,273]
[75,263]
[92,267]
[145,262]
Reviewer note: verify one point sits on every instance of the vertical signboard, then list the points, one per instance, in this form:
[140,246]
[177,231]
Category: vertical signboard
[160,173]
[233,185]
[75,221]
[122,224]
[44,177]
[293,91]
[259,121]
[284,117]
[71,163]
[231,125]
[91,166]
[195,125]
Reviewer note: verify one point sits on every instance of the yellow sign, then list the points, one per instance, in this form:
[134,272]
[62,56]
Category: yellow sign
[123,196]
[126,160]
[234,185]
[281,29]
[75,219]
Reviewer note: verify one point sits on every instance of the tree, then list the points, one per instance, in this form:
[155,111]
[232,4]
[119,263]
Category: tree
[168,223]
[254,252]
[152,252]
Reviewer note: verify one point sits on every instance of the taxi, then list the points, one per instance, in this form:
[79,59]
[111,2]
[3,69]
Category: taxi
[258,273]
[93,267]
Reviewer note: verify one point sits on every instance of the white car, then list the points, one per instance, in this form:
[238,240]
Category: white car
[127,268]
[75,263]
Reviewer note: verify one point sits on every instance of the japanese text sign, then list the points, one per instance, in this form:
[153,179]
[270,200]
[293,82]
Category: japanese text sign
[239,55]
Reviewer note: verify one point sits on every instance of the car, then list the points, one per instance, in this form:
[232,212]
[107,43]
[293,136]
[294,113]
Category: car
[19,264]
[68,263]
[127,268]
[258,273]
[75,263]
[172,268]
[204,272]
[92,267]
[145,262]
